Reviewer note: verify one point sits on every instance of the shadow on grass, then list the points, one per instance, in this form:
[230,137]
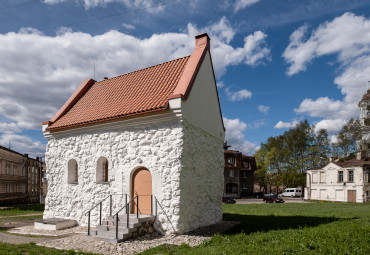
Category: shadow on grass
[258,223]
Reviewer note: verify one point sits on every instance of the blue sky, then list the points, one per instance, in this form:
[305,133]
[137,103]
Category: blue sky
[276,62]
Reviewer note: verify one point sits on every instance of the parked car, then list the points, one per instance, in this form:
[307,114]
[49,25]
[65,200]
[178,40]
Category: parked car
[228,200]
[258,194]
[272,198]
[292,192]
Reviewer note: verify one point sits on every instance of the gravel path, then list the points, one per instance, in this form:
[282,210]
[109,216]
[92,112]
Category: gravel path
[83,243]
[77,241]
[15,239]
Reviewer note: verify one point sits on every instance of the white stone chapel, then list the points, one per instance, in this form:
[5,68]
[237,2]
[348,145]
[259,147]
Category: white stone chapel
[156,133]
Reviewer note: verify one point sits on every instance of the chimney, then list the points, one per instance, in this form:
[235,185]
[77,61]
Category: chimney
[360,155]
[333,159]
[202,39]
[105,78]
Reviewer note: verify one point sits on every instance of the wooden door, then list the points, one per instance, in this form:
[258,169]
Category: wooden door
[142,187]
[351,196]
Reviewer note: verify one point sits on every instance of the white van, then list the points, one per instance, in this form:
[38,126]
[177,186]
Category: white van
[292,192]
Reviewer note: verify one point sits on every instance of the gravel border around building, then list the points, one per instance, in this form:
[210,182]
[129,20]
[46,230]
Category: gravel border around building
[78,241]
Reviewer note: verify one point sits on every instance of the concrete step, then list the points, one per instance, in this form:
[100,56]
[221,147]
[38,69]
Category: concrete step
[107,231]
[113,229]
[113,233]
[122,224]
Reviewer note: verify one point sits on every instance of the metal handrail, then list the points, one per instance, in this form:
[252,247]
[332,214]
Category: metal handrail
[128,213]
[100,209]
[125,206]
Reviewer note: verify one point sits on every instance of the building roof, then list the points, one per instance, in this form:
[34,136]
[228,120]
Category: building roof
[353,163]
[10,150]
[231,151]
[366,96]
[140,92]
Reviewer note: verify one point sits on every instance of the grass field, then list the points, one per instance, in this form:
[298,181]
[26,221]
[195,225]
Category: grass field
[269,229]
[310,228]
[23,209]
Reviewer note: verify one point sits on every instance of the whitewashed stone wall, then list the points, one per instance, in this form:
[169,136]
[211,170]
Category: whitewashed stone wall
[201,179]
[186,164]
[157,147]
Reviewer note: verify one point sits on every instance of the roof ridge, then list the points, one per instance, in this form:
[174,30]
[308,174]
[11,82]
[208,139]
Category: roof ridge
[145,68]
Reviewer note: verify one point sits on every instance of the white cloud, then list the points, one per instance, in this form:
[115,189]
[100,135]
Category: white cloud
[235,137]
[9,128]
[238,95]
[128,26]
[242,4]
[151,5]
[39,72]
[259,123]
[327,108]
[263,108]
[348,37]
[254,51]
[23,144]
[282,124]
[220,84]
[331,125]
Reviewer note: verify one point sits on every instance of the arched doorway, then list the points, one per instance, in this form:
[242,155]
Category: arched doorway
[142,187]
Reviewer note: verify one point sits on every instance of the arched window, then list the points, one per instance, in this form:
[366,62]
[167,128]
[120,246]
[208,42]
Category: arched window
[72,171]
[102,170]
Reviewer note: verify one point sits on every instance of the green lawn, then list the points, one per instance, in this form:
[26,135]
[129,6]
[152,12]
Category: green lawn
[269,229]
[310,228]
[23,209]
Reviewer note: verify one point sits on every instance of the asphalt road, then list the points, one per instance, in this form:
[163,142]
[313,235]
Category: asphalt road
[260,201]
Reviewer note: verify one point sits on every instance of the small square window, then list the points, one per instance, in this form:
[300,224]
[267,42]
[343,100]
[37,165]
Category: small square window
[231,161]
[245,164]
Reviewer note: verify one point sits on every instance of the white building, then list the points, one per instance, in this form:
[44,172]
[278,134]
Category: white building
[347,181]
[363,146]
[156,131]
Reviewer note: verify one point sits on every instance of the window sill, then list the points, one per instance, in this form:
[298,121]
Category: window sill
[74,183]
[100,182]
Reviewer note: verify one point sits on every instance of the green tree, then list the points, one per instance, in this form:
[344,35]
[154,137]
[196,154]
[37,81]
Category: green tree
[285,158]
[346,144]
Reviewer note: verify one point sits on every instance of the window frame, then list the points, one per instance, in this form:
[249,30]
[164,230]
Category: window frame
[351,174]
[246,164]
[231,173]
[231,160]
[72,177]
[7,168]
[102,170]
[340,176]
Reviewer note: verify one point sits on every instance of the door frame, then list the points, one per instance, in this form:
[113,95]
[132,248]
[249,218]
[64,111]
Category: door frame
[132,186]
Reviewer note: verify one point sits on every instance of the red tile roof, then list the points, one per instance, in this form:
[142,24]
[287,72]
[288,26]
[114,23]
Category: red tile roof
[136,93]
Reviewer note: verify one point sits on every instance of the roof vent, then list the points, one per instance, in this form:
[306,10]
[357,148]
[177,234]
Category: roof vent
[105,78]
